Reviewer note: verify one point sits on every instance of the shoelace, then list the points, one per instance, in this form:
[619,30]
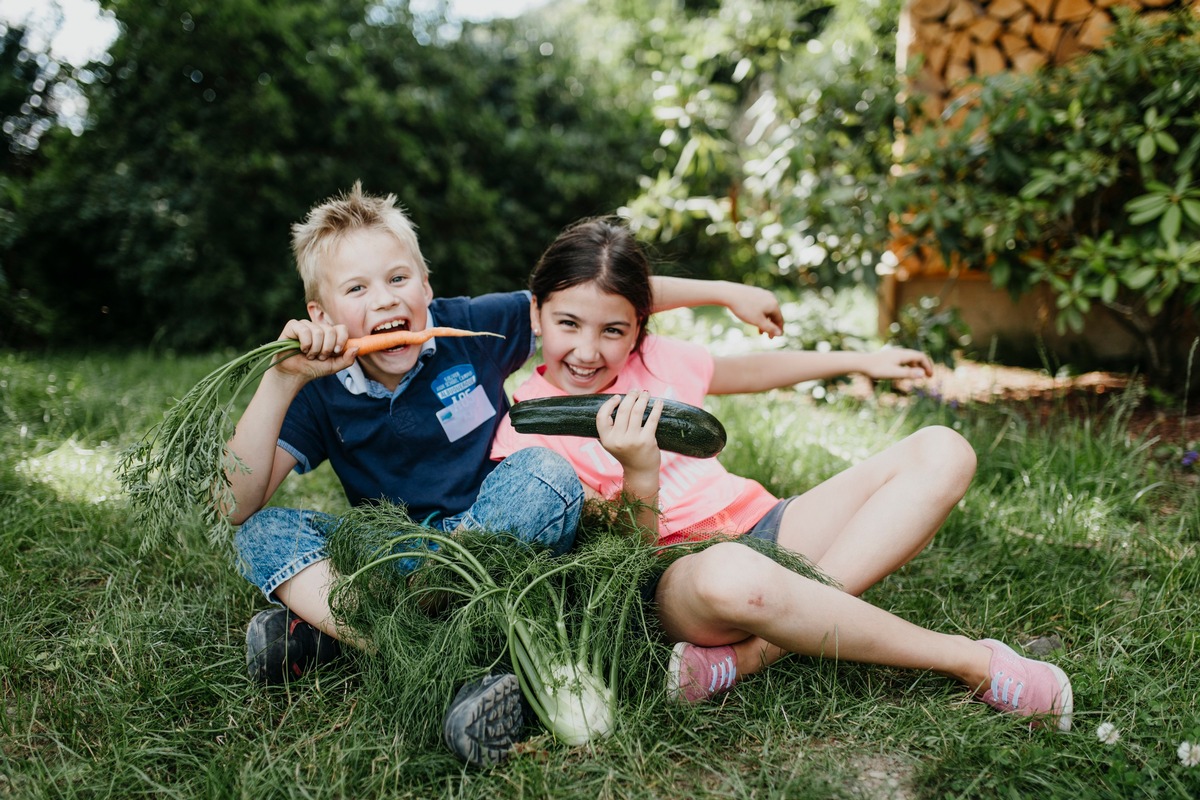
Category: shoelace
[724,672]
[1000,691]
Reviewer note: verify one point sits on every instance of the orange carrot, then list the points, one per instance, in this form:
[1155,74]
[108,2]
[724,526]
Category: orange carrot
[386,341]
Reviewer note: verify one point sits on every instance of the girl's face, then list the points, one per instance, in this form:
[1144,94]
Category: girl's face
[372,283]
[587,336]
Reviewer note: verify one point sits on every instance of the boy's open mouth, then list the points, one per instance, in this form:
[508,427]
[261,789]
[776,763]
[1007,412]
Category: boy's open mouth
[394,325]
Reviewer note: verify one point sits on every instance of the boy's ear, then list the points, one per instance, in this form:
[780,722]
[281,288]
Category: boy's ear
[316,313]
[428,291]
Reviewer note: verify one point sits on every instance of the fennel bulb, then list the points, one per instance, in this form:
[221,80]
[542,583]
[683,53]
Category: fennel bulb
[578,705]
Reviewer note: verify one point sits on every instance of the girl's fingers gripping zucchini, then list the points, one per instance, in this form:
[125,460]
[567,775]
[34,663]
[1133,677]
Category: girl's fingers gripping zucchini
[682,429]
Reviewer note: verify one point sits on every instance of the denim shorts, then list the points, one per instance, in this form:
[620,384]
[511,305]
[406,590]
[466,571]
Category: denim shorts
[766,529]
[534,493]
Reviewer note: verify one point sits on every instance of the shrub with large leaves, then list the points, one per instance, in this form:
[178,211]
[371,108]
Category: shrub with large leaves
[1081,178]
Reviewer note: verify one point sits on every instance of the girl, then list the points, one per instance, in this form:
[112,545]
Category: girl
[730,609]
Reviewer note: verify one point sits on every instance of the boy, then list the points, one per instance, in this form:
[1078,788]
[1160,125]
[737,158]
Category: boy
[411,424]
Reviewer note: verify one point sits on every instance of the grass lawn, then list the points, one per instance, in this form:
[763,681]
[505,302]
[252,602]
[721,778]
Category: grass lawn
[121,670]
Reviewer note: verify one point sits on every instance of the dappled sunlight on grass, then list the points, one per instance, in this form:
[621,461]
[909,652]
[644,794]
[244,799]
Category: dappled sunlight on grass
[85,474]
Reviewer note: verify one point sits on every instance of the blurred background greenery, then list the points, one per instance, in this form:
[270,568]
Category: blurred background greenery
[146,195]
[745,140]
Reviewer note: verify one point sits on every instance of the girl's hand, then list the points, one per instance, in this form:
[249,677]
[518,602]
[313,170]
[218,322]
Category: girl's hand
[897,363]
[630,441]
[755,306]
[322,349]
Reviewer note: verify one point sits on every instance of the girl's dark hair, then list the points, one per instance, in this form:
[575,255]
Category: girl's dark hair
[603,251]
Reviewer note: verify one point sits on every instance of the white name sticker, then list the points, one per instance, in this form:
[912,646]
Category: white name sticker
[466,414]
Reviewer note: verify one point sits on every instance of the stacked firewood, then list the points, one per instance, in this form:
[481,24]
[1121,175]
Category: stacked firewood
[961,39]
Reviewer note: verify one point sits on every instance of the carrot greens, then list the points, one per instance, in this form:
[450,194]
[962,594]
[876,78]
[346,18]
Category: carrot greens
[180,468]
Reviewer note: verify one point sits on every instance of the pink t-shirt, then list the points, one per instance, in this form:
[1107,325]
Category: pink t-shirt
[697,496]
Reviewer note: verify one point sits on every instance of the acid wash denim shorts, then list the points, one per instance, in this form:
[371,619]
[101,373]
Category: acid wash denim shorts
[533,493]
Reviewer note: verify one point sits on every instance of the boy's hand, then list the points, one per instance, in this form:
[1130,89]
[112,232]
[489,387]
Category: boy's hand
[755,306]
[631,442]
[897,363]
[322,349]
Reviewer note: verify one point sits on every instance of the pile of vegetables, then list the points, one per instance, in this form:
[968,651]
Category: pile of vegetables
[178,470]
[585,647]
[570,627]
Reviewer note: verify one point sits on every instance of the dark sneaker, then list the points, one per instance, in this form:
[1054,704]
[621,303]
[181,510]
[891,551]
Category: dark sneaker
[281,646]
[485,720]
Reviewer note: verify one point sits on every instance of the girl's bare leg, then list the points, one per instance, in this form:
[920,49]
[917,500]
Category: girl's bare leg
[730,594]
[866,522]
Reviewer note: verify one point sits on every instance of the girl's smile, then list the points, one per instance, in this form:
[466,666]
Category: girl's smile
[587,336]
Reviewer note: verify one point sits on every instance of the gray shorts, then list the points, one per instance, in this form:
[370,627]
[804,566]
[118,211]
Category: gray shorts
[766,529]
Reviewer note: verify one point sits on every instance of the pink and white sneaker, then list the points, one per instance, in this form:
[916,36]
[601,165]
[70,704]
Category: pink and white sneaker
[699,673]
[1027,687]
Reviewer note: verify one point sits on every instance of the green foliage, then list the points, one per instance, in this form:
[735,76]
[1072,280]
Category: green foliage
[28,83]
[1080,179]
[215,125]
[927,326]
[776,126]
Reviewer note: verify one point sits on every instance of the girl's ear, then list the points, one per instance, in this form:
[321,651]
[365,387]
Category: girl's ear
[535,321]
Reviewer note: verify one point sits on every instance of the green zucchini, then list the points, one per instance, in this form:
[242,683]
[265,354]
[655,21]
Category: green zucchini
[682,428]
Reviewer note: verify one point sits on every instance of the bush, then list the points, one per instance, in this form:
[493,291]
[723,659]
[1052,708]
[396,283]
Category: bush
[1079,178]
[215,125]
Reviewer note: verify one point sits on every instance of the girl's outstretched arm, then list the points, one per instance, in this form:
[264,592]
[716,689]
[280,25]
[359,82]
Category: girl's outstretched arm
[750,304]
[758,372]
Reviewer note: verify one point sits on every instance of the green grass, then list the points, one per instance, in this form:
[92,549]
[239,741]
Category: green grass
[121,671]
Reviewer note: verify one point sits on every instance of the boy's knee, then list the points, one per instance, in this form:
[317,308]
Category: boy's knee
[549,467]
[257,526]
[534,493]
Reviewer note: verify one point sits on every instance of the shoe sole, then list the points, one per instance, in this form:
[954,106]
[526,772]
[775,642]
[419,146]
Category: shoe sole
[484,722]
[1066,695]
[258,641]
[674,681]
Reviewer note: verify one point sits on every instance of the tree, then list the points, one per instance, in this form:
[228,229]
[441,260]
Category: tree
[28,83]
[218,123]
[776,126]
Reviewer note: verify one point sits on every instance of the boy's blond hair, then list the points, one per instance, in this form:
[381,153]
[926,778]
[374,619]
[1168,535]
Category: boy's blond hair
[328,223]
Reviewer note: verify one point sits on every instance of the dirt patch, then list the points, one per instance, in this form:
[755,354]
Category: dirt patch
[885,777]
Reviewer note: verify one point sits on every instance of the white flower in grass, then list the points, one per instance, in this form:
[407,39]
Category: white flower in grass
[1108,733]
[1189,754]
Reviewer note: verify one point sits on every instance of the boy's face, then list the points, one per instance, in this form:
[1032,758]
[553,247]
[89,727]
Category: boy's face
[372,283]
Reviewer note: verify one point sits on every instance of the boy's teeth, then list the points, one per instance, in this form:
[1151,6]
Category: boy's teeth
[390,326]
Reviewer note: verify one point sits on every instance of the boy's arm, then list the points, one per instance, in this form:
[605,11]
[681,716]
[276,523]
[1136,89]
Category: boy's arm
[255,438]
[750,304]
[758,372]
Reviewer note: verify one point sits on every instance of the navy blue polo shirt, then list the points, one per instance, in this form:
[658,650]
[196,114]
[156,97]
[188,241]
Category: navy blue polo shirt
[428,444]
